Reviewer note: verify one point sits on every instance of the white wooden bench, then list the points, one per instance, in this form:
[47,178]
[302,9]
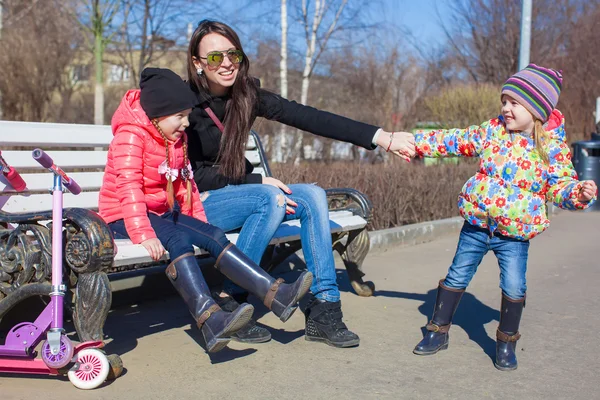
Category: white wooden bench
[81,150]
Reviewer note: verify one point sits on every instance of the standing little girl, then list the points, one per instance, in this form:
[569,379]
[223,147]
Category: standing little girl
[149,196]
[524,162]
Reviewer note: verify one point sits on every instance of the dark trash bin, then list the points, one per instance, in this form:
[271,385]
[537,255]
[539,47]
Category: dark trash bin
[586,160]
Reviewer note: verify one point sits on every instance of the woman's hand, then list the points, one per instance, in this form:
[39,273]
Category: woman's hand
[267,180]
[402,144]
[155,248]
[587,192]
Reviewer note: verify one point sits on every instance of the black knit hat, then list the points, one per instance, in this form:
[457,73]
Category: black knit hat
[163,93]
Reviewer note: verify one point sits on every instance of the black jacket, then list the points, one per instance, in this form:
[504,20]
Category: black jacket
[204,136]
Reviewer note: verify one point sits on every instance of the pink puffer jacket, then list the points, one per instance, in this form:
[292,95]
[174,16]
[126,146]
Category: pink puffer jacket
[132,185]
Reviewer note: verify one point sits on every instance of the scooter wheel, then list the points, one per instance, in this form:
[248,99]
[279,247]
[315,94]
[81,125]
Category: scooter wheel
[64,356]
[90,370]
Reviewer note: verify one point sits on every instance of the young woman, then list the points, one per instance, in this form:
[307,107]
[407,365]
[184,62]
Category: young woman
[229,102]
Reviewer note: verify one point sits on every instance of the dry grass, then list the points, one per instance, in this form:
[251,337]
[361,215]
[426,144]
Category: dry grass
[401,193]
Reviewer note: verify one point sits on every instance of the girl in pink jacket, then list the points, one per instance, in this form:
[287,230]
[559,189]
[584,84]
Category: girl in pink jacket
[149,196]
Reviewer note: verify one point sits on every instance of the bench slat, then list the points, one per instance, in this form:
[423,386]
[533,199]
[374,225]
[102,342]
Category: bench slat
[49,135]
[43,202]
[43,181]
[258,170]
[79,159]
[64,159]
[129,253]
[52,135]
[253,156]
[290,230]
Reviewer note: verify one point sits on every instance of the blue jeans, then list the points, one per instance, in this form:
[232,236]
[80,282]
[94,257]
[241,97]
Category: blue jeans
[178,233]
[258,210]
[474,242]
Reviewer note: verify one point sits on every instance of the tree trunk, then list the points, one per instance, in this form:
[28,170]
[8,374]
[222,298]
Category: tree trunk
[280,150]
[99,90]
[308,60]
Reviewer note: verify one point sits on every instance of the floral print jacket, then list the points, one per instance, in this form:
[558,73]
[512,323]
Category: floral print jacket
[509,192]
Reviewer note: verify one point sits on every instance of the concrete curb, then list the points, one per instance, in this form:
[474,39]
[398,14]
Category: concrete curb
[414,234]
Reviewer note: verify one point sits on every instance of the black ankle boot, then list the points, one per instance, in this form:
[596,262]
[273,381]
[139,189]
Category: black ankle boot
[437,336]
[508,333]
[324,324]
[249,333]
[216,325]
[279,297]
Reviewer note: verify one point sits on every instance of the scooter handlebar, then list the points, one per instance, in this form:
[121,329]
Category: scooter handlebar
[46,161]
[15,180]
[11,174]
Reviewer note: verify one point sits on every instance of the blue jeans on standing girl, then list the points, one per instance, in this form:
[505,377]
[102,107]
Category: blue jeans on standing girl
[474,243]
[258,210]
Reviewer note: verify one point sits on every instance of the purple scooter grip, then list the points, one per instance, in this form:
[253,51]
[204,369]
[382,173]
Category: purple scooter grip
[46,161]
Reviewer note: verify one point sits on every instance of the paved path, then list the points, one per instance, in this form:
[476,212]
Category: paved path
[558,353]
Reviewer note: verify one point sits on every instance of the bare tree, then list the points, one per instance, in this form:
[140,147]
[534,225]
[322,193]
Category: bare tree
[321,24]
[281,143]
[150,30]
[373,85]
[485,40]
[311,29]
[581,70]
[38,45]
[96,18]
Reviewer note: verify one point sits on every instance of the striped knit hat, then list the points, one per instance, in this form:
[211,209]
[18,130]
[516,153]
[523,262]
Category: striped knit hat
[535,88]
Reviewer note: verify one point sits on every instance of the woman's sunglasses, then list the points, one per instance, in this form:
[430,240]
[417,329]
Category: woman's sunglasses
[215,58]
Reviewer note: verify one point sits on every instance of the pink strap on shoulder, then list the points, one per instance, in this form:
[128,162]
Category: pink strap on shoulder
[212,116]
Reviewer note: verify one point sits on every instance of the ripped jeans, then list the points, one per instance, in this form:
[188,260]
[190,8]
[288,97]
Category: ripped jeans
[259,210]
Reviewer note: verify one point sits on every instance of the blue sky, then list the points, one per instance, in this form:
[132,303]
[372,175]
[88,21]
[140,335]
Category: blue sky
[419,16]
[262,18]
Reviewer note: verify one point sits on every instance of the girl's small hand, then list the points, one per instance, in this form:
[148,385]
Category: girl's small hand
[155,248]
[402,144]
[588,191]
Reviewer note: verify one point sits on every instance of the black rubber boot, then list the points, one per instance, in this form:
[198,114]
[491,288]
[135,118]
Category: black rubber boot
[324,324]
[279,297]
[216,325]
[508,333]
[249,333]
[437,336]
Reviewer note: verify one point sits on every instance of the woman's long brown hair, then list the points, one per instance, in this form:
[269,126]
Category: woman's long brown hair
[241,108]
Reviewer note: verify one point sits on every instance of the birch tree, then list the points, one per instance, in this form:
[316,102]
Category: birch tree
[281,144]
[311,29]
[321,22]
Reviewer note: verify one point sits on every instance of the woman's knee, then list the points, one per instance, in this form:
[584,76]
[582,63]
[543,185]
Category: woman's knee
[273,201]
[312,193]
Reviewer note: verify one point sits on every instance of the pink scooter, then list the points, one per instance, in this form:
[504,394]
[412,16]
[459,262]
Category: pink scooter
[85,365]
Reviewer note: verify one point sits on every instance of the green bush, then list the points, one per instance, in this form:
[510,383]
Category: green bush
[464,105]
